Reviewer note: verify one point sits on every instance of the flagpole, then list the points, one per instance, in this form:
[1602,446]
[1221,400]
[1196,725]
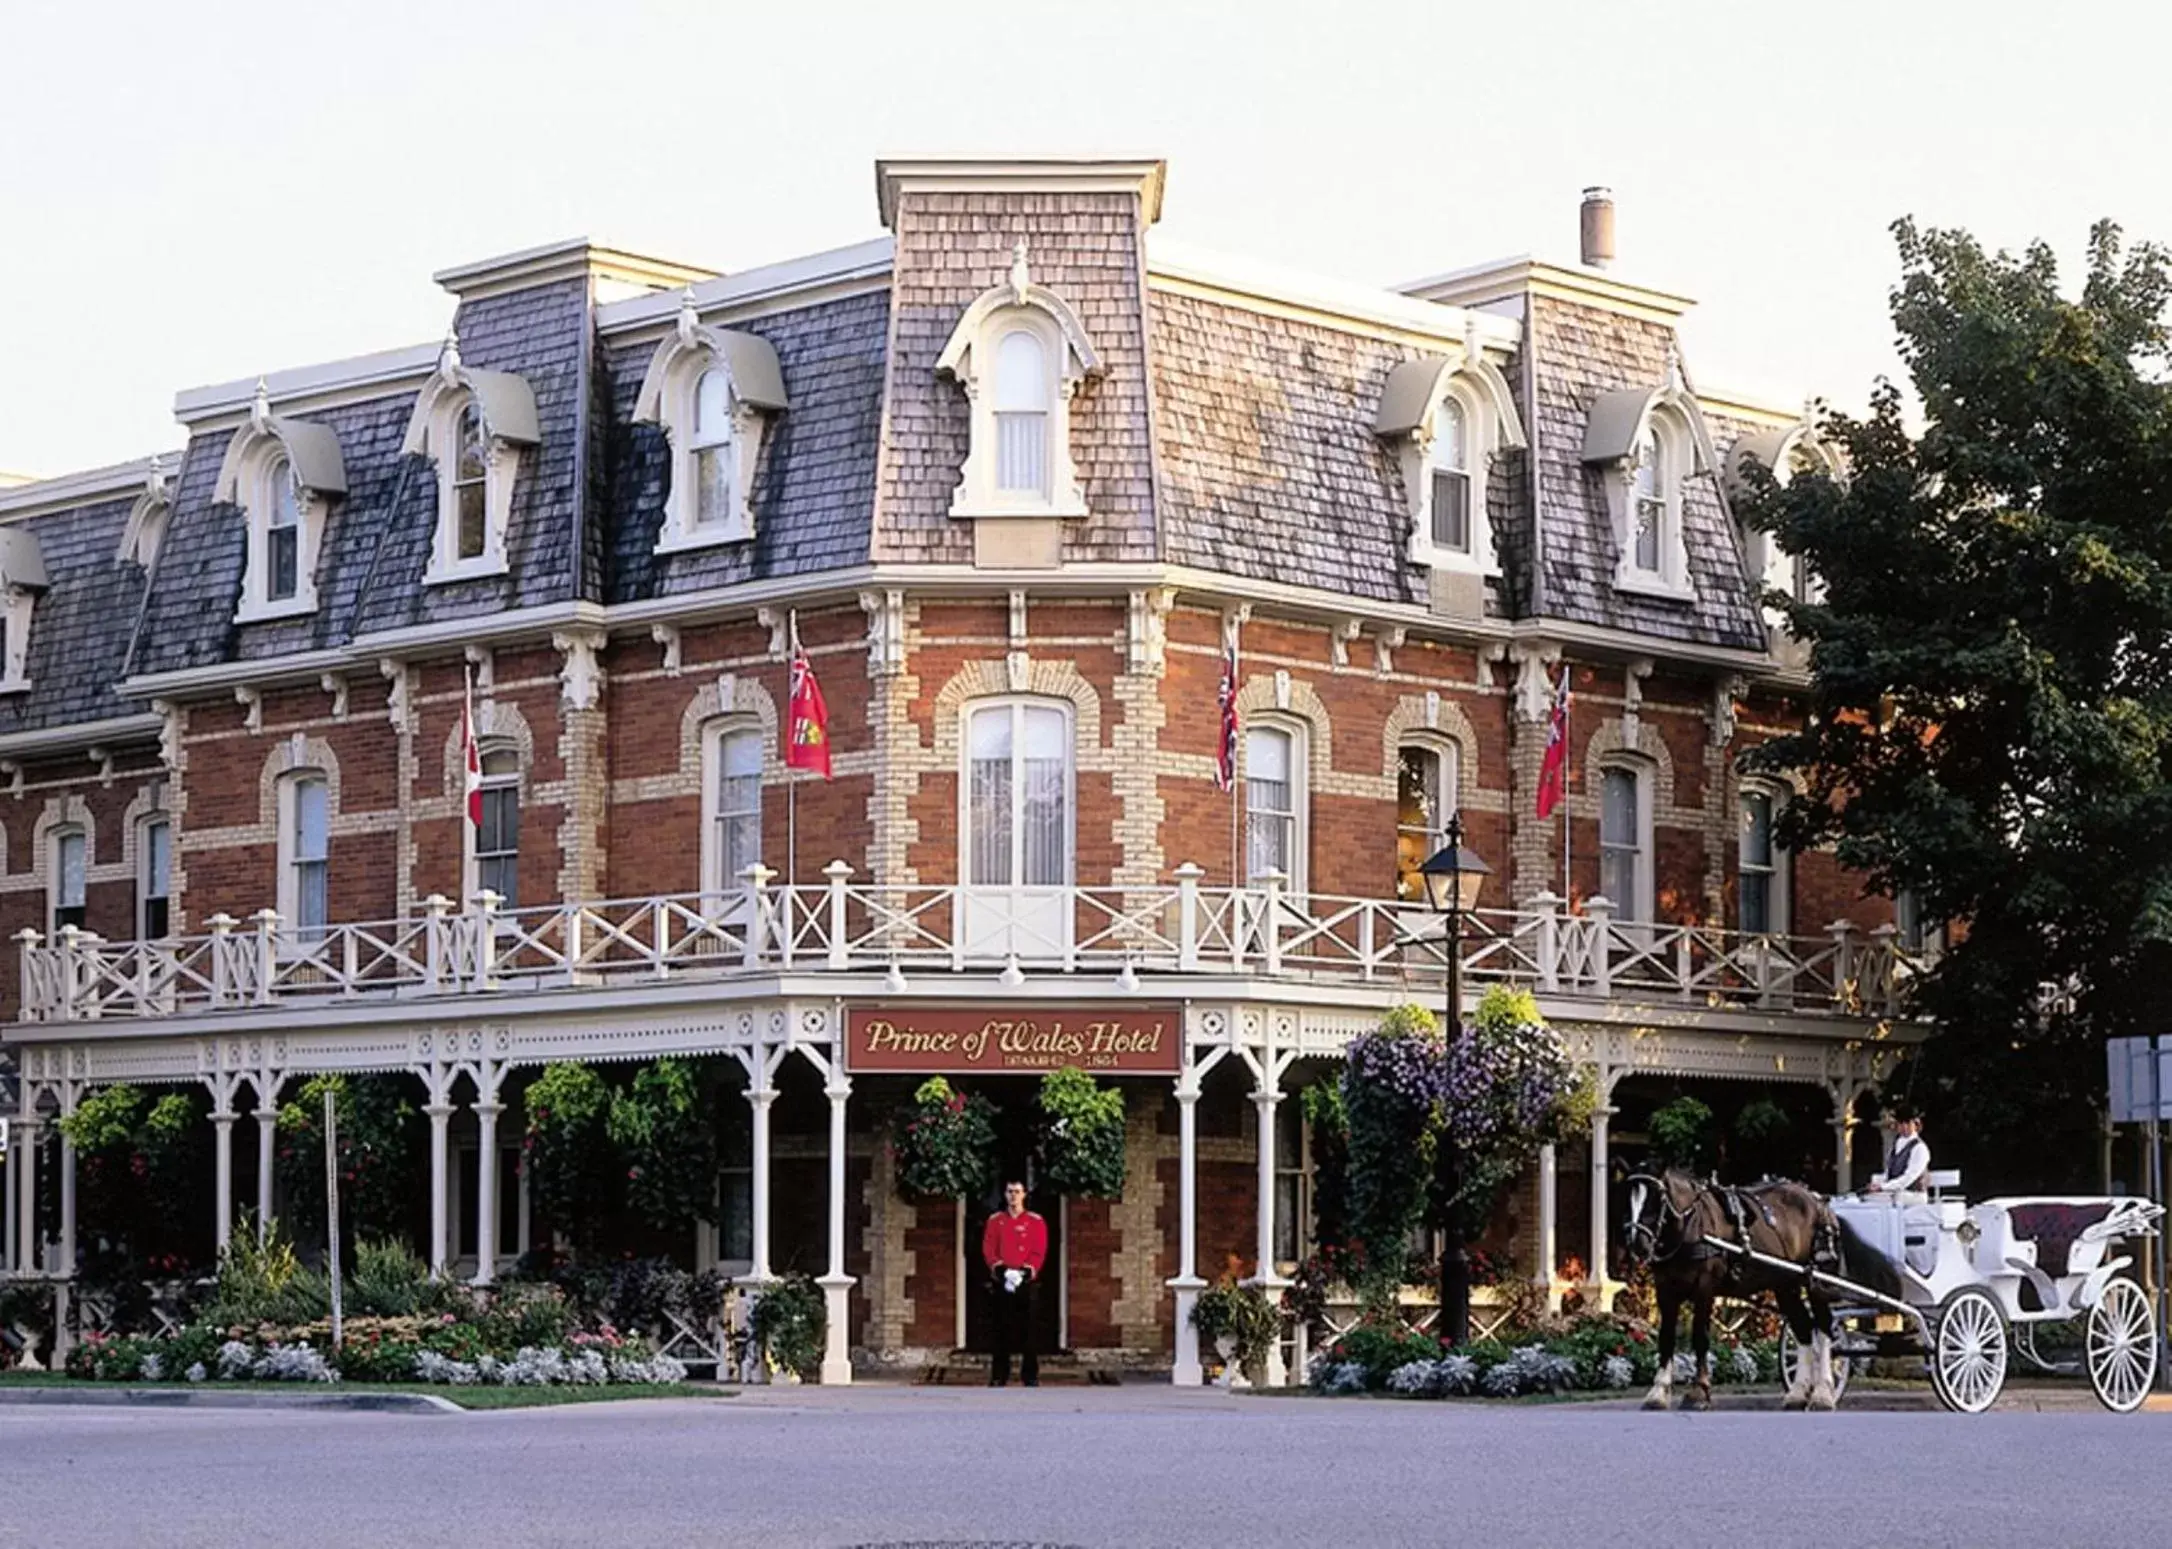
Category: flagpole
[791,792]
[1568,884]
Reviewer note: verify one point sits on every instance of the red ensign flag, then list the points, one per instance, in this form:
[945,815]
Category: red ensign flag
[471,757]
[1553,783]
[807,741]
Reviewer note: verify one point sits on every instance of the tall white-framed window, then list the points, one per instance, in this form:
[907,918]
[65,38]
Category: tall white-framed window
[1761,865]
[494,846]
[1448,467]
[305,829]
[1274,802]
[1018,794]
[1023,395]
[1293,1182]
[1653,555]
[68,876]
[1425,798]
[1625,840]
[732,799]
[154,877]
[1647,504]
[470,488]
[16,606]
[282,531]
[713,443]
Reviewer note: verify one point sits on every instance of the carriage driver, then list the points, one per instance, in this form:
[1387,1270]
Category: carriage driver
[1909,1160]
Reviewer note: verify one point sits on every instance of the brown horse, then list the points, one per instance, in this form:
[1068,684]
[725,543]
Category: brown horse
[1671,1218]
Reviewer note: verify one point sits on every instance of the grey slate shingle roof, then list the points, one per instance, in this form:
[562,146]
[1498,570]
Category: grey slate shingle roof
[1270,467]
[814,487]
[79,627]
[1583,352]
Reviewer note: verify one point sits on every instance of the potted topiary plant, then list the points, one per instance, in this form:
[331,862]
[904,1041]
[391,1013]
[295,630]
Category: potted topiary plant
[1240,1323]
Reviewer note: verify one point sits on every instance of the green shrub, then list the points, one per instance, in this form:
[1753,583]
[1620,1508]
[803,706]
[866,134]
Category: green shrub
[1381,1345]
[789,1323]
[568,1150]
[379,1154]
[390,1280]
[1243,1314]
[944,1143]
[661,1133]
[265,1283]
[1681,1134]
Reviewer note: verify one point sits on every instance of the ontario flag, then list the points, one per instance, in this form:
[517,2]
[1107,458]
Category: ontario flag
[1225,753]
[471,757]
[1553,782]
[807,739]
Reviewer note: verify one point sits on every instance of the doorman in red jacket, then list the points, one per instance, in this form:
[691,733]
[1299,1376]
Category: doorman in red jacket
[1014,1245]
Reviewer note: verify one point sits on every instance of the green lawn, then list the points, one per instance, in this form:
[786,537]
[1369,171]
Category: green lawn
[478,1397]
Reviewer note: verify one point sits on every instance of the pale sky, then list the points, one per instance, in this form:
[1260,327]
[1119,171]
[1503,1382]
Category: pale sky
[198,192]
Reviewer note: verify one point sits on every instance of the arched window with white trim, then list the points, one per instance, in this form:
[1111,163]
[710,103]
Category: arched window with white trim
[1425,798]
[305,822]
[1275,815]
[1449,468]
[1016,826]
[1625,839]
[714,443]
[470,486]
[1762,903]
[1649,499]
[154,876]
[67,876]
[1023,396]
[732,805]
[282,531]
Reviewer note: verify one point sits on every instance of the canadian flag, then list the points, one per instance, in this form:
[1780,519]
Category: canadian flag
[1553,781]
[471,757]
[807,739]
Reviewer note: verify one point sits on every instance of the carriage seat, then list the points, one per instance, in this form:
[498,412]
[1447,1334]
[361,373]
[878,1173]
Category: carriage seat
[1938,1180]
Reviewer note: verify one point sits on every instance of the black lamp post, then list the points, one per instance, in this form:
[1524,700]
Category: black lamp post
[1453,877]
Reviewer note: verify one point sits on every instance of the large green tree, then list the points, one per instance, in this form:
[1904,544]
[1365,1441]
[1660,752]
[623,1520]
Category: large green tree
[1992,660]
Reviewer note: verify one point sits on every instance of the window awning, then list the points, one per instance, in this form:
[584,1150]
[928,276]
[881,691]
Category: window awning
[22,562]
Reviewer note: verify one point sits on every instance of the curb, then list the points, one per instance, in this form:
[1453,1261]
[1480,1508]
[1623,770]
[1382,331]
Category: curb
[212,1398]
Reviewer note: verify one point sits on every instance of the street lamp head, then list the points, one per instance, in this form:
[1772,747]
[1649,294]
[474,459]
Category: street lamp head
[1453,875]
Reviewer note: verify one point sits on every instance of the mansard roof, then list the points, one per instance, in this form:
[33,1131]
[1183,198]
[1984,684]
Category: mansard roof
[80,623]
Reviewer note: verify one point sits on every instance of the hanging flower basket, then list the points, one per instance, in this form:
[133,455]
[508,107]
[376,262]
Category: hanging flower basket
[1082,1135]
[944,1143]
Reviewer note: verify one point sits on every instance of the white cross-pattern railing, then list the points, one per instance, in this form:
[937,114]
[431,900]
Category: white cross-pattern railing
[840,925]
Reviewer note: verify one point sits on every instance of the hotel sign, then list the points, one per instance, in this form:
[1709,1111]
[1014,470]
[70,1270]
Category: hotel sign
[1124,1038]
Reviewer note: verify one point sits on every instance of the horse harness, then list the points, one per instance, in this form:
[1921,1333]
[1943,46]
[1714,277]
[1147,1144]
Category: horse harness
[1742,1205]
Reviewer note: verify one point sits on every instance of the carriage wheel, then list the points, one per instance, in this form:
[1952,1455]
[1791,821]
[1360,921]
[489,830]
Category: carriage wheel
[1968,1351]
[1792,1355]
[2122,1346]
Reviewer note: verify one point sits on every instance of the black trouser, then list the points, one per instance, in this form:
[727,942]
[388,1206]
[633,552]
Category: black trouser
[1014,1332]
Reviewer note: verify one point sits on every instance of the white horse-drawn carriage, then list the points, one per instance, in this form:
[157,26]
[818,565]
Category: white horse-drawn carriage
[1972,1284]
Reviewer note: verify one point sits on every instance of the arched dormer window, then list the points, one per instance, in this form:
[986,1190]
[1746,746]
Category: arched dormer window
[1646,443]
[1789,453]
[1450,418]
[714,391]
[23,580]
[284,474]
[1020,353]
[476,426]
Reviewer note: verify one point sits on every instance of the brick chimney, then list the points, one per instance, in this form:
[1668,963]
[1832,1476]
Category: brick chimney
[1598,228]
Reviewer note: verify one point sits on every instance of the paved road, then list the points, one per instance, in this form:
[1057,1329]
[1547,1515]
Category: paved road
[1081,1467]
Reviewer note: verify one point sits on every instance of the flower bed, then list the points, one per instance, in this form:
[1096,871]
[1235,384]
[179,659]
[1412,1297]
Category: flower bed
[1594,1354]
[376,1350]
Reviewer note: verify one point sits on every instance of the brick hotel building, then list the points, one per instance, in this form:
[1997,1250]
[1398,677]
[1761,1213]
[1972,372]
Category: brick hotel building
[1021,472]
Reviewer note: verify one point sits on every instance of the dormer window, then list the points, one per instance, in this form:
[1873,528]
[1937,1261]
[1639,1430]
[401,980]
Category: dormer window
[284,474]
[22,578]
[1021,353]
[1450,467]
[1448,418]
[283,531]
[1792,452]
[477,427]
[1022,398]
[714,391]
[1645,443]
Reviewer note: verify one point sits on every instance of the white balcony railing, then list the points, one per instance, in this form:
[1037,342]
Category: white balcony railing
[838,925]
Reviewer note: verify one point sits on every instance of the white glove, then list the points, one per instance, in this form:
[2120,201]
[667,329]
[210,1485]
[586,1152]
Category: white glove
[1013,1279]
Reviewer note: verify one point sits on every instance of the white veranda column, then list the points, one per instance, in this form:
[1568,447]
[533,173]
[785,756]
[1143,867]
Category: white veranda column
[761,1097]
[1267,1100]
[440,1121]
[1600,1118]
[224,1174]
[267,1145]
[837,1285]
[1549,1222]
[1186,1373]
[486,1191]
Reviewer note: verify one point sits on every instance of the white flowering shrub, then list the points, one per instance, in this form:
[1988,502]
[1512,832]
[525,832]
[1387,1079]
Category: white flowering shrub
[292,1363]
[1414,1378]
[546,1366]
[1530,1369]
[1451,1374]
[433,1367]
[1685,1366]
[196,1372]
[1743,1363]
[235,1359]
[655,1368]
[1617,1371]
[1343,1377]
[154,1367]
